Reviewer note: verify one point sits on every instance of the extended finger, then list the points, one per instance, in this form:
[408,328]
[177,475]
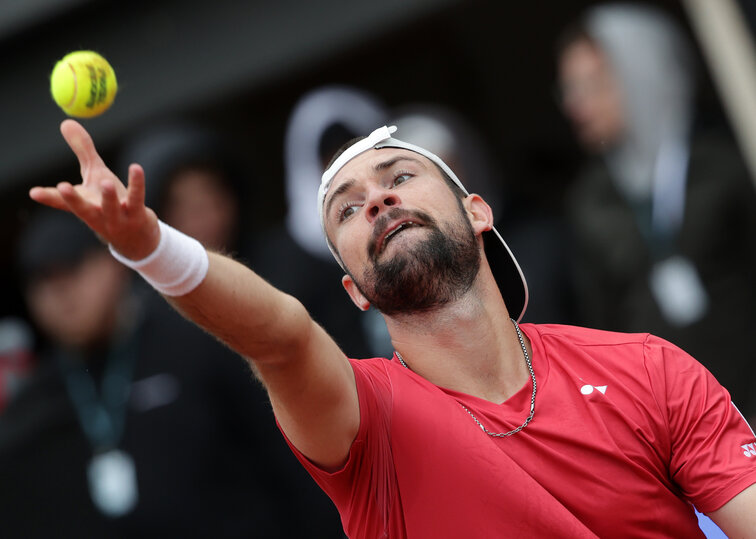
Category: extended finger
[136,187]
[111,205]
[49,196]
[79,140]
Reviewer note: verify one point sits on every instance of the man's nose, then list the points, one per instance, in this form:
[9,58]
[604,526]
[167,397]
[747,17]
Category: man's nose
[379,200]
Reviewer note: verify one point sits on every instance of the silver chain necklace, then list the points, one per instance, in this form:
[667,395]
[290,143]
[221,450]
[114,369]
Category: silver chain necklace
[532,397]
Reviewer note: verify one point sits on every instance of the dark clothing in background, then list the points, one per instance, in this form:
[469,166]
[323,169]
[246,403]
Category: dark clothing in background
[718,235]
[541,244]
[209,460]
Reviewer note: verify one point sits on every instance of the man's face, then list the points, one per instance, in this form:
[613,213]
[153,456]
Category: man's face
[404,237]
[591,96]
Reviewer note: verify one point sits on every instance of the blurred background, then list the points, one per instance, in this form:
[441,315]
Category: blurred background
[246,81]
[242,66]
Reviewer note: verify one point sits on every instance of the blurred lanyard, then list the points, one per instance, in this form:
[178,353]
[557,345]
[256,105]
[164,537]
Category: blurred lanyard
[660,216]
[668,198]
[111,472]
[674,280]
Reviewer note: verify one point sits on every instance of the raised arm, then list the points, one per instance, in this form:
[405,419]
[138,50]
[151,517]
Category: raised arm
[308,378]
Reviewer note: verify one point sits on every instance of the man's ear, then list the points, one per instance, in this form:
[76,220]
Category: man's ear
[479,212]
[354,293]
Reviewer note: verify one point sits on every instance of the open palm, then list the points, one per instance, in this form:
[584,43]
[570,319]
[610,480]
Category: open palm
[112,210]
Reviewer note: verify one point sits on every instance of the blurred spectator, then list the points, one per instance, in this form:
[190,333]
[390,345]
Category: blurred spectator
[194,181]
[321,121]
[536,238]
[665,216]
[135,423]
[16,357]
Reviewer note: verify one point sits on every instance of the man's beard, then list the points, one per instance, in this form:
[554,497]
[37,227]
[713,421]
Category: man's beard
[432,272]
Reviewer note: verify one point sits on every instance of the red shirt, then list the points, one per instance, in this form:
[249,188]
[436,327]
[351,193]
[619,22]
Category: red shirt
[628,432]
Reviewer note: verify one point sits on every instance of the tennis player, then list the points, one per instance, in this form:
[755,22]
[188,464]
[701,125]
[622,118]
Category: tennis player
[477,426]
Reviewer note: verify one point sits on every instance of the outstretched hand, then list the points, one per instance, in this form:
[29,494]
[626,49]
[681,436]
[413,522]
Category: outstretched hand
[115,212]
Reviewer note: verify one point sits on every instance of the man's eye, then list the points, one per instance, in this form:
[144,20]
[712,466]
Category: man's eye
[347,212]
[402,178]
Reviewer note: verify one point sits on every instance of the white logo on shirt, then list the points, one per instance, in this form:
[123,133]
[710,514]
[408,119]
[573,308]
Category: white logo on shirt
[587,389]
[749,450]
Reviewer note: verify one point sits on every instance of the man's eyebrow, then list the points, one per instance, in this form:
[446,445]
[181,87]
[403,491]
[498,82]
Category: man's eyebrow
[391,162]
[340,190]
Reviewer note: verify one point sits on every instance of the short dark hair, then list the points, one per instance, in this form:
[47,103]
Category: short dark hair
[343,148]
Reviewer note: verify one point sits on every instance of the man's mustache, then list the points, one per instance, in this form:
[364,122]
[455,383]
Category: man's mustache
[382,223]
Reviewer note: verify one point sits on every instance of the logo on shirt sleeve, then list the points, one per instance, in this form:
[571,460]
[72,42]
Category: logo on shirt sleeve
[749,450]
[587,389]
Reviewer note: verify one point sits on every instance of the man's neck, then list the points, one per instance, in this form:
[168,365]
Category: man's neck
[468,345]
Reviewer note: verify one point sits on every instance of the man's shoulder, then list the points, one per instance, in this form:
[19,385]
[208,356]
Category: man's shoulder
[571,343]
[374,365]
[584,336]
[385,374]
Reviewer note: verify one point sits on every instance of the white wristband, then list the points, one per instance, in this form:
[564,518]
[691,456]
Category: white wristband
[176,267]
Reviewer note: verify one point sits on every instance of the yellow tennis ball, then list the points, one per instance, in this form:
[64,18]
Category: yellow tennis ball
[83,84]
